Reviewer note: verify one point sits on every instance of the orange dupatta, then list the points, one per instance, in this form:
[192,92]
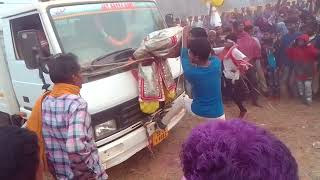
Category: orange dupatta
[35,123]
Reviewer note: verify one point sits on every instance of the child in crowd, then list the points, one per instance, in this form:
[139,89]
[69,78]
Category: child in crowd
[236,150]
[268,53]
[304,57]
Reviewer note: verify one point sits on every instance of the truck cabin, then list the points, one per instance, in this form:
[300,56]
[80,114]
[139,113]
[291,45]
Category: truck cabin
[103,35]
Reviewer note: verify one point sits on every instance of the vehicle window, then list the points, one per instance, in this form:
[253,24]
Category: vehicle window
[31,22]
[93,30]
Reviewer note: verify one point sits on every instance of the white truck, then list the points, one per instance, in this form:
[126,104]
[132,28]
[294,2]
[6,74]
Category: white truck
[99,33]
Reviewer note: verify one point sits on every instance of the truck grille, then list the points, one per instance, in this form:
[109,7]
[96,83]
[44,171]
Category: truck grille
[128,113]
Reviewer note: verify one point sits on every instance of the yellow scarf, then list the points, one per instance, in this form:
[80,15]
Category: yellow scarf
[35,122]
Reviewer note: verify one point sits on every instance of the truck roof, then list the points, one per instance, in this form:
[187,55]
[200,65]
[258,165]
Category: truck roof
[55,2]
[30,5]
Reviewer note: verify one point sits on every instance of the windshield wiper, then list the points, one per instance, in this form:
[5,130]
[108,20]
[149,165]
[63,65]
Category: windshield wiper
[115,54]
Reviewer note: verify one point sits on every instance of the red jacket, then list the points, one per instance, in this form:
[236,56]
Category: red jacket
[307,54]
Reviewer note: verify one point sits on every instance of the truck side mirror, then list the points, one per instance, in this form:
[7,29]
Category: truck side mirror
[29,48]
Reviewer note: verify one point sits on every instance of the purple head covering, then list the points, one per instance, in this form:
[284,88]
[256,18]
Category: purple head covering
[236,150]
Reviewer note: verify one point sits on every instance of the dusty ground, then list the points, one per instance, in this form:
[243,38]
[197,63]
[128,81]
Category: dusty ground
[297,125]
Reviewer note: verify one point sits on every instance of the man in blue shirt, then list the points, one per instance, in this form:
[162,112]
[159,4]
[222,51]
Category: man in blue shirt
[285,63]
[204,74]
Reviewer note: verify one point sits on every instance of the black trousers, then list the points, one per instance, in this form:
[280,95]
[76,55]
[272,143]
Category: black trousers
[235,92]
[252,82]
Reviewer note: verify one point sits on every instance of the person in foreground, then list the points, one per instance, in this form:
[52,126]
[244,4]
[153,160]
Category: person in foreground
[19,154]
[66,131]
[236,150]
[204,75]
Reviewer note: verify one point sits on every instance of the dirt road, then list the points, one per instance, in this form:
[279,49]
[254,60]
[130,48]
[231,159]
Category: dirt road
[297,125]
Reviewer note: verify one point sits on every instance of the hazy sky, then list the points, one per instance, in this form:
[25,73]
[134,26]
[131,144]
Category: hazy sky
[184,8]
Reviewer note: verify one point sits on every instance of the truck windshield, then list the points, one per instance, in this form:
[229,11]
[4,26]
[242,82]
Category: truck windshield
[93,30]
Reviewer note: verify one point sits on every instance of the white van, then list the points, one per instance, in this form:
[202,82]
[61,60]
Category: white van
[83,27]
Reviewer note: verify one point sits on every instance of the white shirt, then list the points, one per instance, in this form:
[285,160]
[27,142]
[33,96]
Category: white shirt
[197,24]
[231,71]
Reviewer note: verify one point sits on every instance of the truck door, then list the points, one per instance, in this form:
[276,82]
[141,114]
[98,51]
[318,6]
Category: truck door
[26,82]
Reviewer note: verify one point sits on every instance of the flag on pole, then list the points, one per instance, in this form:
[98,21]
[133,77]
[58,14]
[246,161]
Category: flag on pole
[215,3]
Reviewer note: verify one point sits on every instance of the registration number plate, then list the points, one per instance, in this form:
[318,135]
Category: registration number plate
[158,136]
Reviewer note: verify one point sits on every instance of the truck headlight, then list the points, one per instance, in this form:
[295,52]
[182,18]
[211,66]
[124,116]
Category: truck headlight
[105,128]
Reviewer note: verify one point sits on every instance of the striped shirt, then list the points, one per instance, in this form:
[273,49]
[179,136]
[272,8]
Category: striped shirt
[68,137]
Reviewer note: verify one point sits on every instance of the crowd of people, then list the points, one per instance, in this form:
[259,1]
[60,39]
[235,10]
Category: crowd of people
[250,52]
[271,52]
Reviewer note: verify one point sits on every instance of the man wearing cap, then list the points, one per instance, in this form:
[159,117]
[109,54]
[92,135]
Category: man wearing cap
[304,58]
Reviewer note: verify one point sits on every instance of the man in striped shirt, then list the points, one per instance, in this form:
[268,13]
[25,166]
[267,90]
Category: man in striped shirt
[66,124]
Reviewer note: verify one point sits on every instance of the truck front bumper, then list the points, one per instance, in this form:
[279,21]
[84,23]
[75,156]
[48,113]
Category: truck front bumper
[118,151]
